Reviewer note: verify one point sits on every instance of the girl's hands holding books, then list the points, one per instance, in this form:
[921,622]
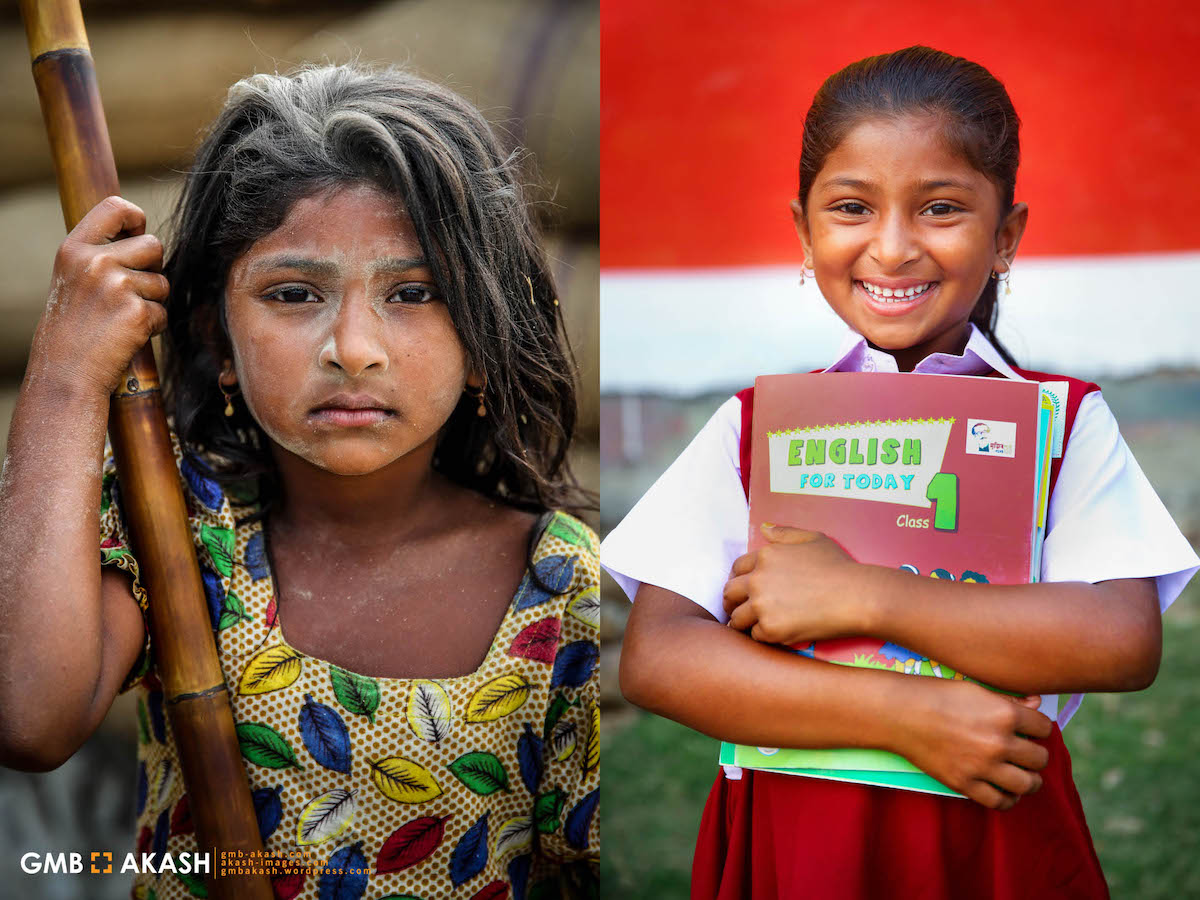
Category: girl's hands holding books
[976,741]
[105,300]
[801,587]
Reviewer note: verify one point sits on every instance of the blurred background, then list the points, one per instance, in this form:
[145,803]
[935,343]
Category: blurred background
[531,65]
[703,112]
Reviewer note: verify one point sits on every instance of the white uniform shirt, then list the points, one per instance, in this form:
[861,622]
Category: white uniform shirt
[1104,519]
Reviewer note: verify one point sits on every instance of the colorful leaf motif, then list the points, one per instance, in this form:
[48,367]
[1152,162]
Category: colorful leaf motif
[483,773]
[515,834]
[214,593]
[272,611]
[164,780]
[143,787]
[411,843]
[591,758]
[143,719]
[233,612]
[357,693]
[288,885]
[558,706]
[567,529]
[193,884]
[529,755]
[471,852]
[268,809]
[429,713]
[403,780]
[547,809]
[551,576]
[498,698]
[256,557]
[272,669]
[518,874]
[158,721]
[579,820]
[162,831]
[538,641]
[203,487]
[181,817]
[325,817]
[266,747]
[574,664]
[219,542]
[586,607]
[325,735]
[497,890]
[564,739]
[345,876]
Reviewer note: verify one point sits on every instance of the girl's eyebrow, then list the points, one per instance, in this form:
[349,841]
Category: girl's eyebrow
[929,184]
[327,268]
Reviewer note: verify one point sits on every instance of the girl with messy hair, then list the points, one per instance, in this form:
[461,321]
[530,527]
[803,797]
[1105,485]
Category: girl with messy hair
[373,399]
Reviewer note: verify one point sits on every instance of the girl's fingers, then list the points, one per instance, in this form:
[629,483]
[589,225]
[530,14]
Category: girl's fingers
[108,219]
[1032,723]
[989,795]
[744,564]
[143,251]
[1029,755]
[150,285]
[736,590]
[744,618]
[1016,781]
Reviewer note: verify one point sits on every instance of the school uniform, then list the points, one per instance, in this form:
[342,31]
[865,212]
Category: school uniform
[766,835]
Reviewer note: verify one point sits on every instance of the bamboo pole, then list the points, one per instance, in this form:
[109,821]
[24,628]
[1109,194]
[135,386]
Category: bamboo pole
[197,700]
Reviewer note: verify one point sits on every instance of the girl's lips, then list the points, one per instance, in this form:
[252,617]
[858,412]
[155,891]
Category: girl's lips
[351,417]
[894,308]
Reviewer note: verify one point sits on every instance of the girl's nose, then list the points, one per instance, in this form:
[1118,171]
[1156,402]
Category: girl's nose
[894,242]
[355,343]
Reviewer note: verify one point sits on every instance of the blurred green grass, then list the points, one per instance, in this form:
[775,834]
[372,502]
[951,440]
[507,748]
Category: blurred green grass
[1136,759]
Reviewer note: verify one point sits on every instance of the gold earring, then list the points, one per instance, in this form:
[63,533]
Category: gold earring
[228,396]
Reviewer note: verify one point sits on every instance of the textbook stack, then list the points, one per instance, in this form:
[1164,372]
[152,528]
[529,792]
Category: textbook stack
[944,476]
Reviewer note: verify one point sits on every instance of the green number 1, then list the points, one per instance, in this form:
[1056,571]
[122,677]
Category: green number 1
[943,491]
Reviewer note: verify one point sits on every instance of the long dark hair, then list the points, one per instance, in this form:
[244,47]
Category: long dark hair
[973,107]
[280,138]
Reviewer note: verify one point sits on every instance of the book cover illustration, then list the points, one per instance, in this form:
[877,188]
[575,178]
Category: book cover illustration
[942,476]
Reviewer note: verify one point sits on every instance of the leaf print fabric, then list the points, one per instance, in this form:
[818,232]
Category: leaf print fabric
[483,786]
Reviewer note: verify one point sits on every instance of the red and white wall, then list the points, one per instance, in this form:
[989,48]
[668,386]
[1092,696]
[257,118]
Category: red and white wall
[703,105]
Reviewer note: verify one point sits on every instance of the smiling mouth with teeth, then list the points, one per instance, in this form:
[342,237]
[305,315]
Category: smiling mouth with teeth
[888,295]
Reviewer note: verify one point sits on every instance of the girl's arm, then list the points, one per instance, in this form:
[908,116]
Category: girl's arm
[679,662]
[1062,637]
[68,633]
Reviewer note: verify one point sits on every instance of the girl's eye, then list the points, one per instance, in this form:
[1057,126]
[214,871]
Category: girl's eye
[850,208]
[413,294]
[943,209]
[294,295]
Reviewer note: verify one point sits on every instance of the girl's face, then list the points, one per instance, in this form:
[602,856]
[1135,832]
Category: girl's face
[342,347]
[903,234]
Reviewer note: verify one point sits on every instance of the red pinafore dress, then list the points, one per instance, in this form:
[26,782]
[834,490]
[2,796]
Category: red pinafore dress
[785,837]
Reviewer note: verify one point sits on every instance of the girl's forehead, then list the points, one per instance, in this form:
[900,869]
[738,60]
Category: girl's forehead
[906,152]
[355,218]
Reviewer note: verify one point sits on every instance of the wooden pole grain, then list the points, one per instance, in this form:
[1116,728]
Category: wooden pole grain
[197,700]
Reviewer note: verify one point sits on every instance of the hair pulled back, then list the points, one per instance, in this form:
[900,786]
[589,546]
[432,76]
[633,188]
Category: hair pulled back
[280,138]
[974,110]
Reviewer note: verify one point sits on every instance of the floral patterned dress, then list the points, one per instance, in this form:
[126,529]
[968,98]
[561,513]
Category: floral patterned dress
[480,786]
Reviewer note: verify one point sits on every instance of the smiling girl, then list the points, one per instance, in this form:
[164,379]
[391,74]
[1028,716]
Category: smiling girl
[373,399]
[906,215]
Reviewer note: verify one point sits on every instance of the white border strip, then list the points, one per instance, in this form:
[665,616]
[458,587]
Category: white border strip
[686,331]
